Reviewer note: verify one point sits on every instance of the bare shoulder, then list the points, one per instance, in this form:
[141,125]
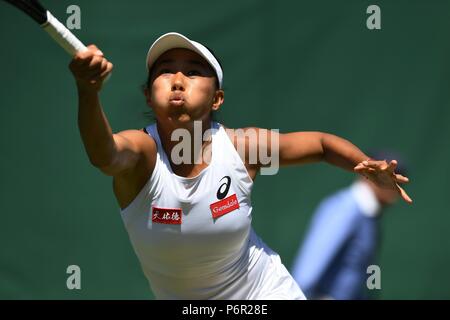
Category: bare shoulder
[246,142]
[135,151]
[136,139]
[250,137]
[129,182]
[136,135]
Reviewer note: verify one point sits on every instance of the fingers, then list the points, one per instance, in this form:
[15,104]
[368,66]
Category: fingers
[401,179]
[378,164]
[93,48]
[90,66]
[102,73]
[404,195]
[361,168]
[375,164]
[84,57]
[102,76]
[392,165]
[379,169]
[96,66]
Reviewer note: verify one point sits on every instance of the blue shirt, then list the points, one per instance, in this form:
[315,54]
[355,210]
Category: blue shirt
[338,247]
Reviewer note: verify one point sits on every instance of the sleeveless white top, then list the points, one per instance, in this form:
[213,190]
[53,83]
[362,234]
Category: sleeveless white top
[193,236]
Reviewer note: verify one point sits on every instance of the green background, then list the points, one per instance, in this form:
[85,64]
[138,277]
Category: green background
[288,65]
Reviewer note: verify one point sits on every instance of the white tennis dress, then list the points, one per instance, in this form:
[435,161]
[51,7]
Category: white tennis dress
[193,236]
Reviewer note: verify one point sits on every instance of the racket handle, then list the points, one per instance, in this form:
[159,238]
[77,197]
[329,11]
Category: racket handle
[62,35]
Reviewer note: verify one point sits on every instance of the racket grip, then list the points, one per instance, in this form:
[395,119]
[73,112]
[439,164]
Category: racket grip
[62,35]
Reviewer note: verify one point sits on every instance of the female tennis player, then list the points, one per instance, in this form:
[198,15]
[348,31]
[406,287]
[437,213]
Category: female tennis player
[186,205]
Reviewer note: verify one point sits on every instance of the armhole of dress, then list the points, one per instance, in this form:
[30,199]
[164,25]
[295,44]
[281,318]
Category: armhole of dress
[150,185]
[156,170]
[245,186]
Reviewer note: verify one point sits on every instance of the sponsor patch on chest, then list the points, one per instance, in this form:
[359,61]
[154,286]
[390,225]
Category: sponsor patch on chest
[224,206]
[166,215]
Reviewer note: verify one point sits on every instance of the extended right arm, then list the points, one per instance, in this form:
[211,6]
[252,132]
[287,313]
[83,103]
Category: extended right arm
[113,154]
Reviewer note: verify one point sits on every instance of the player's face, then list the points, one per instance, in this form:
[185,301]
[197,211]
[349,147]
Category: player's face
[183,88]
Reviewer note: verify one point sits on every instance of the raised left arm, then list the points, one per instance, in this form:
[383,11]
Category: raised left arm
[308,147]
[311,146]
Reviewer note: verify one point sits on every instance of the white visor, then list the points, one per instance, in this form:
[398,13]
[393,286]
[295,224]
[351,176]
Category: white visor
[174,40]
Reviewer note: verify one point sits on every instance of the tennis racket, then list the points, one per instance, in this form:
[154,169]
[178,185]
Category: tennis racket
[50,24]
[66,39]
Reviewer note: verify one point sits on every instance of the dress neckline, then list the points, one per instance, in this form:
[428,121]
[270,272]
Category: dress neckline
[214,127]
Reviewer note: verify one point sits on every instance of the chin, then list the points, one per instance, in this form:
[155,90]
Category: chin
[182,120]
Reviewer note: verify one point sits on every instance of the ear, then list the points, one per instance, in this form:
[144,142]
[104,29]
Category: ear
[218,100]
[148,96]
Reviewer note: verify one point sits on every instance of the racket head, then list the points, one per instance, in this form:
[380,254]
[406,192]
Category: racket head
[32,8]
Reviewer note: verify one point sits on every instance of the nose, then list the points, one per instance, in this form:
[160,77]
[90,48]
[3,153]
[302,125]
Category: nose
[178,81]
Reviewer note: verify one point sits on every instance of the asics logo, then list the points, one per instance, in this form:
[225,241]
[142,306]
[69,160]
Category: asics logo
[224,188]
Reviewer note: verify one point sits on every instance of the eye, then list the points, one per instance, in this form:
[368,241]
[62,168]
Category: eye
[193,73]
[164,71]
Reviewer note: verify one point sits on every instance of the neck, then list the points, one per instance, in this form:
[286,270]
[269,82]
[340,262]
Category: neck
[187,143]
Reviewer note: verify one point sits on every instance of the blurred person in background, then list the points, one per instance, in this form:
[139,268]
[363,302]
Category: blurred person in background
[343,239]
